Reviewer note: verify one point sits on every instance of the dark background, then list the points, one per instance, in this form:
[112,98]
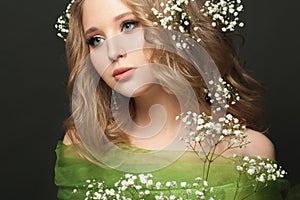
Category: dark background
[34,76]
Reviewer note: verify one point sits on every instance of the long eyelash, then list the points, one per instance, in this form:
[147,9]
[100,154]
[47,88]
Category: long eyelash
[90,41]
[135,22]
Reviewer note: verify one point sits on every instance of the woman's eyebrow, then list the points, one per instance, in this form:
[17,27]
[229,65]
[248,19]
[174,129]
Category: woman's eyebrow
[90,30]
[119,17]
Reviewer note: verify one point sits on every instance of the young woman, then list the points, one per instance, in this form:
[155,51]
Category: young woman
[149,121]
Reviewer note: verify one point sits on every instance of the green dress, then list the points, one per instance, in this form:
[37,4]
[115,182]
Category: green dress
[79,179]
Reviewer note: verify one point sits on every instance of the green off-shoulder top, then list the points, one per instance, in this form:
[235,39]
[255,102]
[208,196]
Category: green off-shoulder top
[80,179]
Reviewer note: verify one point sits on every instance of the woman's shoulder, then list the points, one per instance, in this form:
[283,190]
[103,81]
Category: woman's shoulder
[259,145]
[70,137]
[66,139]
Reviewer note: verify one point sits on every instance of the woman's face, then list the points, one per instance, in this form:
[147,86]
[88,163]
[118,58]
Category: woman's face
[116,41]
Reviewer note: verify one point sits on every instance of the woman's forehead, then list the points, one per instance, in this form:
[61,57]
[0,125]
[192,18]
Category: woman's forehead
[99,12]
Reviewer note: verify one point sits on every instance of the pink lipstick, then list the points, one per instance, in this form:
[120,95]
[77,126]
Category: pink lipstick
[123,73]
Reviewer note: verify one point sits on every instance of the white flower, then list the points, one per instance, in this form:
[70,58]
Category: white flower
[149,183]
[168,184]
[205,183]
[189,191]
[110,192]
[199,193]
[159,197]
[143,178]
[183,184]
[124,183]
[261,178]
[198,139]
[251,170]
[128,175]
[138,187]
[130,181]
[239,168]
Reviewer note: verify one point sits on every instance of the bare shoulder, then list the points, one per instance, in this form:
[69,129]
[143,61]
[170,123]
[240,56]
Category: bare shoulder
[260,145]
[68,139]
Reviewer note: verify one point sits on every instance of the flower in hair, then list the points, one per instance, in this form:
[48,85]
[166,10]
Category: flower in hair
[224,13]
[62,23]
[222,92]
[173,16]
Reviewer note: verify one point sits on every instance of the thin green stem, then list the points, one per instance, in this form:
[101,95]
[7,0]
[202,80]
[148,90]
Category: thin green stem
[256,189]
[237,187]
[206,158]
[210,160]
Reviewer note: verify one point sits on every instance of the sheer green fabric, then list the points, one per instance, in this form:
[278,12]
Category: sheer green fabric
[72,173]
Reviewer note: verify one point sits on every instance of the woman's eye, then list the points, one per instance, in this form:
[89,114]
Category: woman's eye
[95,41]
[129,25]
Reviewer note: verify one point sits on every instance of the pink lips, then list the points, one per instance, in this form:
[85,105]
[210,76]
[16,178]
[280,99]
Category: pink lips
[122,73]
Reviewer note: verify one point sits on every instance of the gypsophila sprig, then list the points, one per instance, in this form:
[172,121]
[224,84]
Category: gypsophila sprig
[261,170]
[224,13]
[203,130]
[231,131]
[62,23]
[222,92]
[173,16]
[201,127]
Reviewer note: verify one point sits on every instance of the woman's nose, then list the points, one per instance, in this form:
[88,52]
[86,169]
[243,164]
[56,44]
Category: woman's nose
[115,50]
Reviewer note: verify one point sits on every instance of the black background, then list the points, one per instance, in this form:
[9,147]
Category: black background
[34,76]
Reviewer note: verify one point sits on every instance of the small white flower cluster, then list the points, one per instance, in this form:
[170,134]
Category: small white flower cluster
[173,16]
[224,13]
[263,170]
[222,92]
[202,127]
[181,42]
[143,186]
[62,23]
[139,185]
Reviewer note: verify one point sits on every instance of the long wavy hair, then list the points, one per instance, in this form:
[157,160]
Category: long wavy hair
[218,44]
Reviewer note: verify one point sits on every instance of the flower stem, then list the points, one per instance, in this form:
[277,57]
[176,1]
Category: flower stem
[237,187]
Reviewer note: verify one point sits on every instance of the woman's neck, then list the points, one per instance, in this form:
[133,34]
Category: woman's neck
[155,110]
[157,102]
